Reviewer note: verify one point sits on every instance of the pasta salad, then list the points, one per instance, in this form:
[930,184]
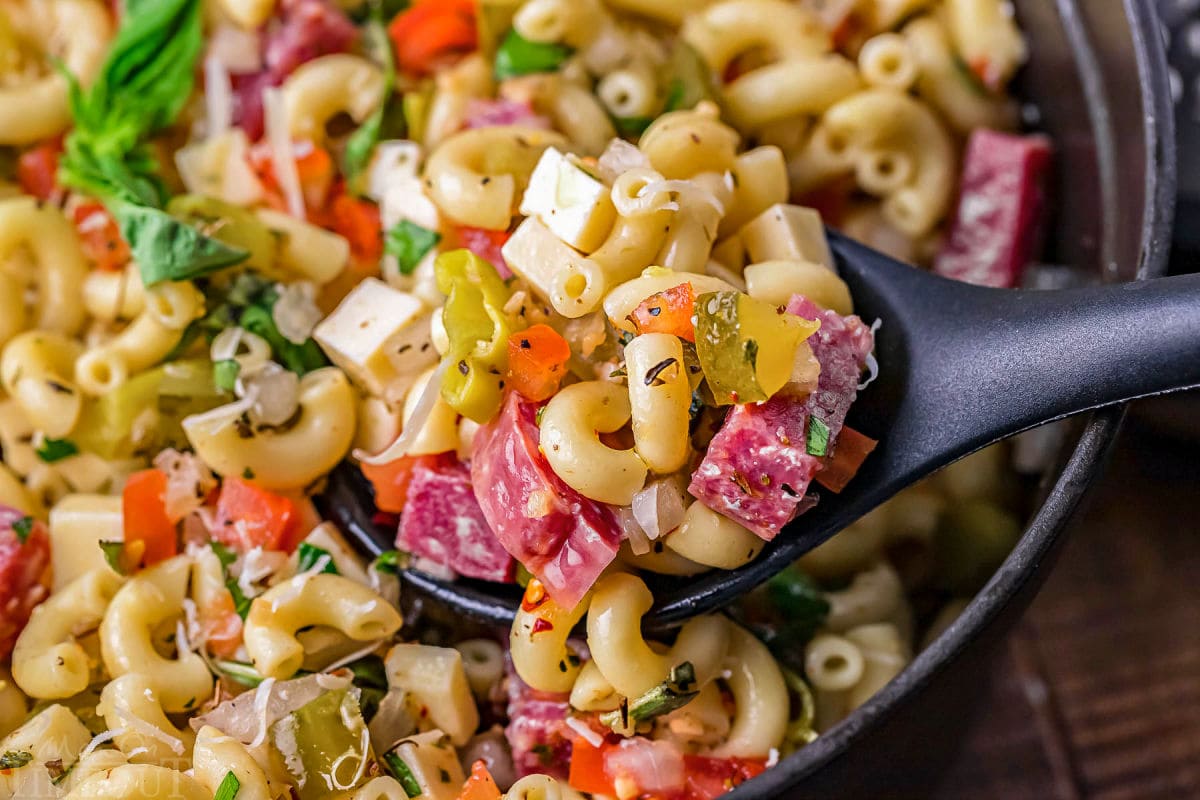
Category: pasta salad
[553,275]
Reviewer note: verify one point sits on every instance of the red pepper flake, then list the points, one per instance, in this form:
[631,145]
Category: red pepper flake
[535,595]
[541,626]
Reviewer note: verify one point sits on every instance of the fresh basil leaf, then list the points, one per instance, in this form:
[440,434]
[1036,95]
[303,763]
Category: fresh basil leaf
[225,374]
[518,56]
[798,601]
[310,555]
[362,142]
[817,440]
[167,249]
[229,788]
[408,243]
[22,528]
[299,358]
[52,450]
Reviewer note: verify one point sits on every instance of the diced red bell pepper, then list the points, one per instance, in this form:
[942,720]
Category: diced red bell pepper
[148,527]
[670,311]
[37,169]
[358,221]
[249,516]
[587,768]
[431,30]
[481,785]
[537,359]
[391,480]
[100,237]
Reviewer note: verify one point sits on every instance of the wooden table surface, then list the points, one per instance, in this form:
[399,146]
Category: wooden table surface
[1098,692]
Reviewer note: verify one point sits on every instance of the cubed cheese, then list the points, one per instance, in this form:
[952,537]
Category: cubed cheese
[786,232]
[436,682]
[405,199]
[394,160]
[54,736]
[433,763]
[569,201]
[78,523]
[380,337]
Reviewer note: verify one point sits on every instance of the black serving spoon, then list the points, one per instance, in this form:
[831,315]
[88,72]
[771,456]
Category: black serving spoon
[961,366]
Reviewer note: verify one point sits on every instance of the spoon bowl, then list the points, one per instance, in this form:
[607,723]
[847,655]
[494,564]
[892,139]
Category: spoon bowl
[961,367]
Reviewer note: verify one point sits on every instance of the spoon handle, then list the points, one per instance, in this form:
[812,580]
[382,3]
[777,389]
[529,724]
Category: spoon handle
[987,363]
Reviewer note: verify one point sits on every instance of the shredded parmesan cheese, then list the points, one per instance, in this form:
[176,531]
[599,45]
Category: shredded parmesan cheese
[585,732]
[99,739]
[283,157]
[262,696]
[872,362]
[218,97]
[415,423]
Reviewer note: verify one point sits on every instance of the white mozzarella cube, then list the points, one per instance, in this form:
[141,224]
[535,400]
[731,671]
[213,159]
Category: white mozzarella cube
[380,337]
[436,682]
[394,160]
[78,523]
[569,201]
[537,255]
[787,233]
[433,764]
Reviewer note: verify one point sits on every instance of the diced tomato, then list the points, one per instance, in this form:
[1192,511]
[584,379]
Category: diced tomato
[148,527]
[37,169]
[669,311]
[587,768]
[358,221]
[708,778]
[391,480]
[537,359]
[100,237]
[221,626]
[487,245]
[431,30]
[249,517]
[24,561]
[481,785]
[849,453]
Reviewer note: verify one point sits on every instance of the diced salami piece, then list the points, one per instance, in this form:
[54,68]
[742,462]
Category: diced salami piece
[442,521]
[537,729]
[491,113]
[996,227]
[563,538]
[24,557]
[757,469]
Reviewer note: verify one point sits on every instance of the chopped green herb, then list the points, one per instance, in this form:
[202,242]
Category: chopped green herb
[310,555]
[248,474]
[225,374]
[168,249]
[673,693]
[15,759]
[545,754]
[632,127]
[391,562]
[114,556]
[402,773]
[299,358]
[22,528]
[817,440]
[52,450]
[518,56]
[369,671]
[408,243]
[362,142]
[798,601]
[241,603]
[239,672]
[229,788]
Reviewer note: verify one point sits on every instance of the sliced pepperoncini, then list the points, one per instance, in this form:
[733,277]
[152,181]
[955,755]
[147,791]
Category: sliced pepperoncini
[747,348]
[478,329]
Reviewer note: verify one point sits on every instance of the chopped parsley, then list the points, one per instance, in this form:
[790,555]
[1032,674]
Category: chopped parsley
[408,243]
[229,788]
[518,56]
[310,555]
[817,440]
[391,562]
[22,528]
[402,773]
[15,759]
[52,450]
[241,603]
[225,374]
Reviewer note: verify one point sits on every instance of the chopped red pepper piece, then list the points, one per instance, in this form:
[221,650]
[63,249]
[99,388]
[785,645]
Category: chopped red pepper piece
[537,359]
[670,311]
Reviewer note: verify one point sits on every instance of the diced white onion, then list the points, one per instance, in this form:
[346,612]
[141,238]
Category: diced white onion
[275,392]
[295,313]
[658,508]
[218,97]
[639,542]
[415,424]
[283,158]
[618,158]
